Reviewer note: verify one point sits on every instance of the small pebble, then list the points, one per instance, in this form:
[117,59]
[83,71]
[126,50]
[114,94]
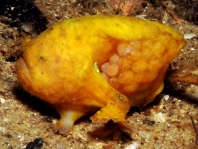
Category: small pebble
[2,100]
[192,49]
[133,146]
[2,129]
[189,36]
[159,117]
[166,97]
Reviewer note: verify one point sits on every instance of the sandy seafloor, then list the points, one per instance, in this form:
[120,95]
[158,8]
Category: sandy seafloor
[163,124]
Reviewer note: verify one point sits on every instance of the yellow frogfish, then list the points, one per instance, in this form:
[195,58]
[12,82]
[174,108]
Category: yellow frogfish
[100,65]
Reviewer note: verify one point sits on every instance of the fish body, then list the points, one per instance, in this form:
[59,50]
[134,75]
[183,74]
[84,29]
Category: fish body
[102,64]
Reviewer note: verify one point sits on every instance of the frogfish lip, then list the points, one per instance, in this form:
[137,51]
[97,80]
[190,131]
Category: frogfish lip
[22,71]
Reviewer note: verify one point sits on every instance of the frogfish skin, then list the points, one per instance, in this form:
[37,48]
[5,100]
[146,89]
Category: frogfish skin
[100,65]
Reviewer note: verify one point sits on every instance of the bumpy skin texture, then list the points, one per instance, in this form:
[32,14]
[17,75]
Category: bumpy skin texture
[59,66]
